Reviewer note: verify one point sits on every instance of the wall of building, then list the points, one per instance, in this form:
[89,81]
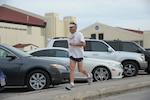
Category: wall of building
[111,33]
[15,33]
[146,42]
[56,27]
[28,48]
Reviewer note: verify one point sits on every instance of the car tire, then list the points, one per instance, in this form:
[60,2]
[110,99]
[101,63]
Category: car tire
[101,74]
[130,68]
[38,79]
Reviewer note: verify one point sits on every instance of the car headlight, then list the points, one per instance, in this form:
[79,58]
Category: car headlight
[58,66]
[116,65]
[120,66]
[142,57]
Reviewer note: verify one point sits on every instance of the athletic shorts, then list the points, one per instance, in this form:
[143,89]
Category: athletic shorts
[76,59]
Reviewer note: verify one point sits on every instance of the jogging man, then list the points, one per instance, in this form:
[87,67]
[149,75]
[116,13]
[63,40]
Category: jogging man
[76,45]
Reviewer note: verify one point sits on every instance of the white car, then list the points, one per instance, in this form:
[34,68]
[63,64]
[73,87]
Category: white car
[102,69]
[132,62]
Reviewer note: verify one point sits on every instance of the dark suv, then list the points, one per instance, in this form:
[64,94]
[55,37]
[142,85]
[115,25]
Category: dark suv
[130,47]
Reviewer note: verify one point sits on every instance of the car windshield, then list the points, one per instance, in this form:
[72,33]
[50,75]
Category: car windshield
[22,53]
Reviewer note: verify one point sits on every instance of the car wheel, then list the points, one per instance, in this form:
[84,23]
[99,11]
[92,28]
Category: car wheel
[130,68]
[38,79]
[101,74]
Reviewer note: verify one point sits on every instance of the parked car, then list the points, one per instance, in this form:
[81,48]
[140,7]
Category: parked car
[102,69]
[23,69]
[147,49]
[132,62]
[128,46]
[2,80]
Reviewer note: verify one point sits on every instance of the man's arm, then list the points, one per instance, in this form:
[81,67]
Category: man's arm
[78,44]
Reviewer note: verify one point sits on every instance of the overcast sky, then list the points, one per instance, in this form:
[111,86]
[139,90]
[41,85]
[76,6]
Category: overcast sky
[132,14]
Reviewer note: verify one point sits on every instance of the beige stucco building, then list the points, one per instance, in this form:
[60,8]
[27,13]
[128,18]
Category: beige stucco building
[13,34]
[106,32]
[22,27]
[56,27]
[146,39]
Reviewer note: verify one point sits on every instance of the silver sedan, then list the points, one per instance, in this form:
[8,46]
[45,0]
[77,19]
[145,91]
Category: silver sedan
[102,69]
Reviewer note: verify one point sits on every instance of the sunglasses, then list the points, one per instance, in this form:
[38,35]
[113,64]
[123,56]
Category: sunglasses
[70,27]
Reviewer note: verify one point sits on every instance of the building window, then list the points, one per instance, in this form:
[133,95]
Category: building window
[93,36]
[100,36]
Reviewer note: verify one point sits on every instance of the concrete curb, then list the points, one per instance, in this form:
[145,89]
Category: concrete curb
[91,95]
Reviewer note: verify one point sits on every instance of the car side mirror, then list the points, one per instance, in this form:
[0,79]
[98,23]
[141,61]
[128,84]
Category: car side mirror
[139,50]
[11,56]
[110,49]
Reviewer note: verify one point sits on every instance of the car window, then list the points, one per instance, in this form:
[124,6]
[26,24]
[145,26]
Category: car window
[129,47]
[95,46]
[3,53]
[61,43]
[61,53]
[51,53]
[47,53]
[114,45]
[88,46]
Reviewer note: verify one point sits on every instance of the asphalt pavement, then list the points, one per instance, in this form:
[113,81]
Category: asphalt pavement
[84,91]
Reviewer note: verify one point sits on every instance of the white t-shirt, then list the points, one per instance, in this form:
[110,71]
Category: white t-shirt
[76,51]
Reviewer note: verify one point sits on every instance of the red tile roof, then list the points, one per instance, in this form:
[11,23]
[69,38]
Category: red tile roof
[10,15]
[136,31]
[23,45]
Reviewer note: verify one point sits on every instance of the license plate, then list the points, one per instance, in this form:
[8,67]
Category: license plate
[2,81]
